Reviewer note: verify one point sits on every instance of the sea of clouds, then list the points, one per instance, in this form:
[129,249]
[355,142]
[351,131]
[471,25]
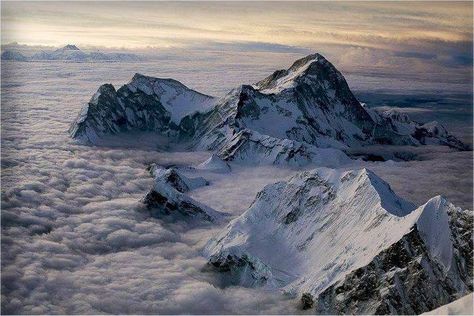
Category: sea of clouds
[75,238]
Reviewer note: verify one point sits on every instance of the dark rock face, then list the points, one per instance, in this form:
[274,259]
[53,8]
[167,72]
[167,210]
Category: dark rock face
[402,279]
[461,223]
[111,112]
[241,270]
[176,182]
[307,301]
[159,204]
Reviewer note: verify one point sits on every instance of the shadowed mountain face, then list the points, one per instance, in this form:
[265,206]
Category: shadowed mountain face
[309,103]
[144,104]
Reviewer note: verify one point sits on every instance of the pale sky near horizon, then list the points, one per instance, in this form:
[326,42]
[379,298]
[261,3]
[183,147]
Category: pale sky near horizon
[423,33]
[141,24]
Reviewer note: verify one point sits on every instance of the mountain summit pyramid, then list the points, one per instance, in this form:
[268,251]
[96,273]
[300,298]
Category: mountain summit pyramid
[309,103]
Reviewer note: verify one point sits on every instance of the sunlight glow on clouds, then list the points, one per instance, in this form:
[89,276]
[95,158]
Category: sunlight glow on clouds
[394,36]
[127,24]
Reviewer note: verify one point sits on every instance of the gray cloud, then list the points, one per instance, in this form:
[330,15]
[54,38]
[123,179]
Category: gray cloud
[415,55]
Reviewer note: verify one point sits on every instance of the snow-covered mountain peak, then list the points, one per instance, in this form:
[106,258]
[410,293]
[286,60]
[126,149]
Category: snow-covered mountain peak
[144,104]
[284,77]
[177,99]
[68,47]
[323,222]
[310,103]
[354,183]
[166,199]
[177,179]
[346,239]
[313,70]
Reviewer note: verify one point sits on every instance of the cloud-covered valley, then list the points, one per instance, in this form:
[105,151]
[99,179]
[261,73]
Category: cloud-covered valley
[76,239]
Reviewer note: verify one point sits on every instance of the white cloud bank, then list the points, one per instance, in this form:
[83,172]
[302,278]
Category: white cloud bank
[74,238]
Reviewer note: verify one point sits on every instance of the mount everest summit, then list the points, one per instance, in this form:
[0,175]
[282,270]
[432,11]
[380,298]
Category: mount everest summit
[308,103]
[340,240]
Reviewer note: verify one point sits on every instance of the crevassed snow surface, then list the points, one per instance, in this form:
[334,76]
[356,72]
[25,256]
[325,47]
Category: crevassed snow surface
[72,240]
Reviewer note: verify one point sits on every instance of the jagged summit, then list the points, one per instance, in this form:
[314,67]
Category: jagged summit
[312,69]
[346,239]
[298,68]
[144,104]
[166,199]
[310,103]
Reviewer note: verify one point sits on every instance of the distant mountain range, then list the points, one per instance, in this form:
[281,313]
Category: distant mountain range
[69,53]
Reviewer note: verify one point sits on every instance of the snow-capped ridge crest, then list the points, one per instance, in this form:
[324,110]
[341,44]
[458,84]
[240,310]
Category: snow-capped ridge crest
[310,102]
[310,70]
[316,57]
[158,86]
[140,79]
[357,180]
[433,224]
[326,232]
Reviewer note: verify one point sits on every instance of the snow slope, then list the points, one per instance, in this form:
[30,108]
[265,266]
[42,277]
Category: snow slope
[251,148]
[144,104]
[214,163]
[312,233]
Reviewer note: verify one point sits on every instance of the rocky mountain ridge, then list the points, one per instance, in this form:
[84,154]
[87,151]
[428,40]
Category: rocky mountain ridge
[308,103]
[344,239]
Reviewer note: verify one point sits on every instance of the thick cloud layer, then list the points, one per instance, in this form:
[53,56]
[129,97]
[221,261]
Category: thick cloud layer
[75,239]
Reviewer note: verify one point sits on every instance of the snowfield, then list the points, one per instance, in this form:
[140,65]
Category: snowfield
[76,237]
